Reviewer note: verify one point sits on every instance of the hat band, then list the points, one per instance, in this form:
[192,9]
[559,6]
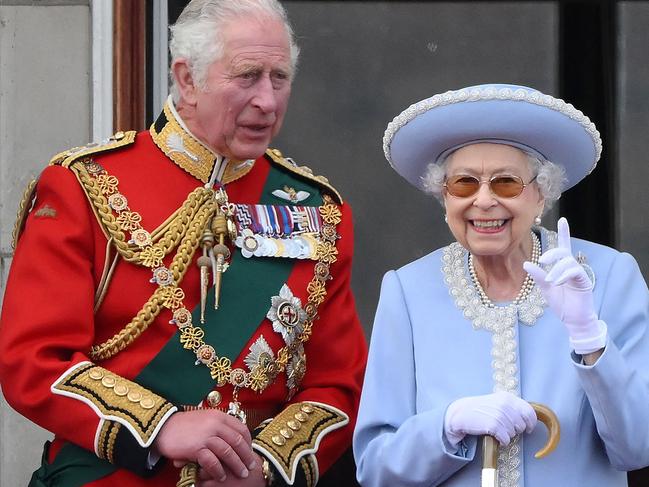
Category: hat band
[525,148]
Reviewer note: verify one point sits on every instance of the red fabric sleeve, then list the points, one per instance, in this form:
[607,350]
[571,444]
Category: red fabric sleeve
[47,316]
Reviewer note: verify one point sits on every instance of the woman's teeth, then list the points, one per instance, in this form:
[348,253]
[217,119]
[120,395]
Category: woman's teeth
[488,223]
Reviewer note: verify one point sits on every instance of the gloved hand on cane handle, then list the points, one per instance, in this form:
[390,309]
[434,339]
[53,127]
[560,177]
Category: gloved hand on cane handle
[569,292]
[501,415]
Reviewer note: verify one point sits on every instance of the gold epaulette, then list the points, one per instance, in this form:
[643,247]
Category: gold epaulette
[119,139]
[303,171]
[65,159]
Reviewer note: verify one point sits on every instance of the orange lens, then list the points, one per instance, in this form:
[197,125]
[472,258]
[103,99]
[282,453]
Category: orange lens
[462,186]
[506,186]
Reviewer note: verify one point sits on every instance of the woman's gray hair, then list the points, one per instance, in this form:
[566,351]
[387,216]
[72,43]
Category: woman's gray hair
[550,178]
[196,36]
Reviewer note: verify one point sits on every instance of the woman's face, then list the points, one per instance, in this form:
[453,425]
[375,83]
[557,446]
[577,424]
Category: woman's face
[486,224]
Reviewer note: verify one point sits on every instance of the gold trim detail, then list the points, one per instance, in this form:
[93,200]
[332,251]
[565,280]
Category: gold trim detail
[183,149]
[107,438]
[183,231]
[305,172]
[310,471]
[309,422]
[190,154]
[119,139]
[115,399]
[25,206]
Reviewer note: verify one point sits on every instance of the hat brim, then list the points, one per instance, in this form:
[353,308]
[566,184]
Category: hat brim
[504,114]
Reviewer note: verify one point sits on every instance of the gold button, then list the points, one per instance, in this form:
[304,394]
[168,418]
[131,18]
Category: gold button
[301,417]
[279,440]
[286,433]
[95,374]
[134,396]
[119,135]
[306,408]
[294,425]
[121,389]
[108,381]
[147,403]
[214,399]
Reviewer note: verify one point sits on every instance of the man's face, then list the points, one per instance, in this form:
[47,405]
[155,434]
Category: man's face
[243,103]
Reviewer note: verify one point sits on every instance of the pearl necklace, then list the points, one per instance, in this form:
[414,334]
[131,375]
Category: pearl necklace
[528,283]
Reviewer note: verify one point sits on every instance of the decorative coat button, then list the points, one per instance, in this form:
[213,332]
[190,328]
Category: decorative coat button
[108,381]
[306,408]
[301,417]
[214,399]
[96,374]
[134,396]
[279,440]
[121,389]
[286,433]
[147,403]
[294,425]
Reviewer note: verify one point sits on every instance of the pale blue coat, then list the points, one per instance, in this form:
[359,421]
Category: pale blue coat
[424,354]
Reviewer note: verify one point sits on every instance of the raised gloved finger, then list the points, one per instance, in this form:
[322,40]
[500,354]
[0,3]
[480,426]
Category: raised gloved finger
[565,266]
[551,256]
[563,234]
[537,273]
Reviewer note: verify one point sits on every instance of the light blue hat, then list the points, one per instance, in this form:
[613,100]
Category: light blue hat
[506,114]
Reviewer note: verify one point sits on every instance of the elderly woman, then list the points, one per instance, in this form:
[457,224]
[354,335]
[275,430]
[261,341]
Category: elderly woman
[509,313]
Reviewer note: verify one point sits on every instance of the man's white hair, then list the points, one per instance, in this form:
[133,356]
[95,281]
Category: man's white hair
[196,35]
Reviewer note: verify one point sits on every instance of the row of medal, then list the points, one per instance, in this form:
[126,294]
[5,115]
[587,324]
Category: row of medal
[302,246]
[278,231]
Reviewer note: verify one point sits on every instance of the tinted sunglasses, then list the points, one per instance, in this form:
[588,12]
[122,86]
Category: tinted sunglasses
[503,186]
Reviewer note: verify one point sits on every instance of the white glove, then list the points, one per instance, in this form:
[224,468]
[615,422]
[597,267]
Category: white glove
[501,415]
[569,292]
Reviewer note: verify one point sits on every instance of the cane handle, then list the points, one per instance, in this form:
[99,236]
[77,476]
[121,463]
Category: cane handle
[546,416]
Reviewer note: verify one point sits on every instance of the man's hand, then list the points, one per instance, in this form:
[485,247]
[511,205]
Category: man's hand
[255,479]
[220,444]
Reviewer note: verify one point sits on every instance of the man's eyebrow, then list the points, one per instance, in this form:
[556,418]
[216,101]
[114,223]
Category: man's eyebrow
[246,68]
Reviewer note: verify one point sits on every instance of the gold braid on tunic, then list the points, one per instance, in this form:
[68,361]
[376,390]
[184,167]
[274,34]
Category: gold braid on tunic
[182,231]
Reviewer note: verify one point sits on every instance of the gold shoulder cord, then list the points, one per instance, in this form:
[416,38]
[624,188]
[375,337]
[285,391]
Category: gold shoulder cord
[182,231]
[23,210]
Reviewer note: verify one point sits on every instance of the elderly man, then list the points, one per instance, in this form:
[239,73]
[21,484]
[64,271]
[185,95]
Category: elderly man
[192,285]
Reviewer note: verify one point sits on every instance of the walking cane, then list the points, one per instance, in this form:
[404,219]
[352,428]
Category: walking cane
[490,445]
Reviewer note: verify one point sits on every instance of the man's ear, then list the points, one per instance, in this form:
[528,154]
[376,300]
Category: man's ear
[184,81]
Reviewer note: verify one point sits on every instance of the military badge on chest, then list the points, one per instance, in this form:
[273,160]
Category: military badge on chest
[288,318]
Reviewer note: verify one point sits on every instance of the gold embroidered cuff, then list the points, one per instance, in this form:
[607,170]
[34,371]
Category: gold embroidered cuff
[115,400]
[295,433]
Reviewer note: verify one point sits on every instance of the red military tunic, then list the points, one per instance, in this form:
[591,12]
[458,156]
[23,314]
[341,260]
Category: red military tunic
[67,294]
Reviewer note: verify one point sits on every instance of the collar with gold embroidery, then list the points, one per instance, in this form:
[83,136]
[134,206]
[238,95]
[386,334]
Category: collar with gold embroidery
[189,153]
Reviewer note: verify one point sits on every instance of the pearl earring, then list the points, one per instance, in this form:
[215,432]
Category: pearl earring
[445,218]
[537,220]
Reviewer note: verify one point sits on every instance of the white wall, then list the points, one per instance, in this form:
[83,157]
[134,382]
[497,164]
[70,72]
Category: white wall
[45,107]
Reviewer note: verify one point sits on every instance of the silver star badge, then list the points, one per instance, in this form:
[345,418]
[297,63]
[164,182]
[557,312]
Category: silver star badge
[287,315]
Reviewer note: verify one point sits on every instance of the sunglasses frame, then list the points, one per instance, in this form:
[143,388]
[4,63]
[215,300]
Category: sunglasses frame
[489,182]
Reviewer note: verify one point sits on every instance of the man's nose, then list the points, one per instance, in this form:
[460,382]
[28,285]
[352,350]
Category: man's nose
[265,97]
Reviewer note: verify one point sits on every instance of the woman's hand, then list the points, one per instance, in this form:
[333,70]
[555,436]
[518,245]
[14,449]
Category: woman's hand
[569,292]
[217,442]
[501,415]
